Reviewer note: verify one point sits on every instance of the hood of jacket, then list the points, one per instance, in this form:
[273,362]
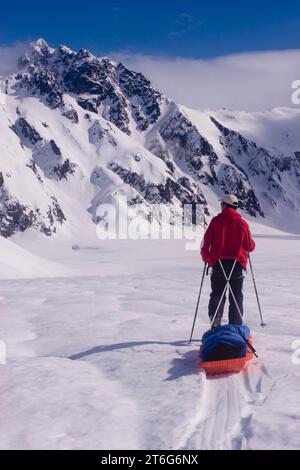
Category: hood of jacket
[230,214]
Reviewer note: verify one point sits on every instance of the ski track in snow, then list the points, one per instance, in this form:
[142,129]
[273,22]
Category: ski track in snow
[223,419]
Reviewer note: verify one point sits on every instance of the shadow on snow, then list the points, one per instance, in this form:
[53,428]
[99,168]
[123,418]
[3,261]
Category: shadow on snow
[182,366]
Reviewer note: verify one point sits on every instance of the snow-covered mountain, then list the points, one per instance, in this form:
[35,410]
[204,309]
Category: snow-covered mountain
[77,130]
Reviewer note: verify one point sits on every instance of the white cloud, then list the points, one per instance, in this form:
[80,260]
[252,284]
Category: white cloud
[248,81]
[9,57]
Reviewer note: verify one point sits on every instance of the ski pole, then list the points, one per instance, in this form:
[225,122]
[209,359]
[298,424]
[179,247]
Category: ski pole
[196,311]
[262,323]
[230,290]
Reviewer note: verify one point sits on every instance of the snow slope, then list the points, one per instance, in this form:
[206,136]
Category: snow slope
[101,360]
[16,261]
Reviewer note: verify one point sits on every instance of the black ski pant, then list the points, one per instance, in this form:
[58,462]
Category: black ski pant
[218,283]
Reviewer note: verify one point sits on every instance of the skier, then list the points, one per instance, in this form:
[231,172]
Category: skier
[227,239]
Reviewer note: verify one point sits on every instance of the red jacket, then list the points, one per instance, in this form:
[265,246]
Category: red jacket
[227,237]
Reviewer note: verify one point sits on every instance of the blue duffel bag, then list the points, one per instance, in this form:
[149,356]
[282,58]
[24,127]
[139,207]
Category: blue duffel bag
[226,342]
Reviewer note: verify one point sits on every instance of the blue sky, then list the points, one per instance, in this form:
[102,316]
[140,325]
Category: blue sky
[174,28]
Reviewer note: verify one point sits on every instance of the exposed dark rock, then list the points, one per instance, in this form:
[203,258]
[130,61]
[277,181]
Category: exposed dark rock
[297,155]
[41,82]
[187,143]
[55,148]
[33,167]
[89,105]
[18,217]
[242,154]
[14,216]
[49,159]
[118,116]
[136,85]
[57,211]
[72,115]
[161,193]
[170,166]
[27,134]
[235,182]
[62,170]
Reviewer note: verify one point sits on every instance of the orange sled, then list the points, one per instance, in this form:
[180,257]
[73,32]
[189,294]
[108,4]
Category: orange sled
[228,365]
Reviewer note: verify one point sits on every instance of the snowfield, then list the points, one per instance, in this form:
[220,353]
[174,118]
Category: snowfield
[98,357]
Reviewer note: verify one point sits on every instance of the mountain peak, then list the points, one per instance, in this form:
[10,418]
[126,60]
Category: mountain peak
[64,49]
[41,47]
[84,54]
[37,53]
